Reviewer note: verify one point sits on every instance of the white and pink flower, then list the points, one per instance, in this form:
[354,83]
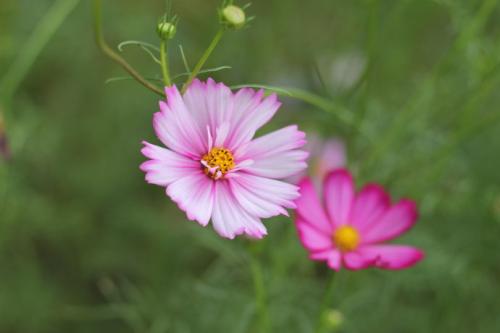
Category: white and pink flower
[213,168]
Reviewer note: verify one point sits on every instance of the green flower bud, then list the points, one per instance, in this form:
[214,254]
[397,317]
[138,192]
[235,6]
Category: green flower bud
[166,30]
[334,319]
[233,17]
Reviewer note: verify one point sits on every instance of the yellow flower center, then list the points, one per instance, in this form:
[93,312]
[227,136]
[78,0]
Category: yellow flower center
[218,162]
[346,238]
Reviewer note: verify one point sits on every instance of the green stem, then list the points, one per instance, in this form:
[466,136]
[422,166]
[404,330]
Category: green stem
[164,63]
[260,293]
[44,30]
[325,304]
[101,42]
[322,103]
[203,59]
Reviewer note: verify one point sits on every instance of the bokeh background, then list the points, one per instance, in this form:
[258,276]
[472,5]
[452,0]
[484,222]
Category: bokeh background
[87,246]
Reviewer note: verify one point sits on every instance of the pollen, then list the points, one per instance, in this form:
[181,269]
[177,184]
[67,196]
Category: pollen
[218,162]
[346,238]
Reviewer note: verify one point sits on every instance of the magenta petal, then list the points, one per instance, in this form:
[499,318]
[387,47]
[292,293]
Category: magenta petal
[331,256]
[395,221]
[357,260]
[370,203]
[312,238]
[230,219]
[339,196]
[194,195]
[393,256]
[310,209]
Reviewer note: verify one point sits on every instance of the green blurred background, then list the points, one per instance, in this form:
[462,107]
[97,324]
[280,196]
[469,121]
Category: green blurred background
[87,246]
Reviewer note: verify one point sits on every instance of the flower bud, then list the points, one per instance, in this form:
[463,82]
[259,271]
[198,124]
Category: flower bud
[166,30]
[334,319]
[233,17]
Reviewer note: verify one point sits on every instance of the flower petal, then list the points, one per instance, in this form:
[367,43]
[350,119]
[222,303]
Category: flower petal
[275,154]
[357,260]
[263,197]
[395,221]
[250,116]
[331,256]
[393,256]
[176,128]
[211,105]
[331,157]
[310,209]
[312,238]
[165,166]
[370,203]
[339,196]
[230,218]
[195,195]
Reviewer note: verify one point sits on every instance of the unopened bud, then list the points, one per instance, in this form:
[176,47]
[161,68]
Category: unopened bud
[233,17]
[166,30]
[334,319]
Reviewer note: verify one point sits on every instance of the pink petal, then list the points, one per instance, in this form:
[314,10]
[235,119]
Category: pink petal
[310,209]
[395,221]
[195,195]
[331,157]
[211,105]
[370,203]
[332,257]
[275,154]
[165,166]
[339,196]
[357,260]
[263,197]
[176,127]
[245,126]
[230,218]
[393,256]
[312,238]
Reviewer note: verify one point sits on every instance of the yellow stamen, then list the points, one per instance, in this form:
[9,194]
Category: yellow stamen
[218,162]
[346,238]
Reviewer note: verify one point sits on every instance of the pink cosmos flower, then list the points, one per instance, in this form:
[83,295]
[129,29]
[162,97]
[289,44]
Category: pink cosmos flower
[324,156]
[213,168]
[349,229]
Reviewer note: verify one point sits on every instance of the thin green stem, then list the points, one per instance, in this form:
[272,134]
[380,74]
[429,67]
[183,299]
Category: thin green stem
[164,63]
[260,293]
[326,303]
[107,50]
[322,103]
[203,59]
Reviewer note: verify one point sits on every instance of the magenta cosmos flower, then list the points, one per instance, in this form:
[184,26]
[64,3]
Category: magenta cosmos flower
[213,168]
[349,229]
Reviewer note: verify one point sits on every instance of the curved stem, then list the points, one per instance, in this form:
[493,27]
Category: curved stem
[325,304]
[101,42]
[164,63]
[203,59]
